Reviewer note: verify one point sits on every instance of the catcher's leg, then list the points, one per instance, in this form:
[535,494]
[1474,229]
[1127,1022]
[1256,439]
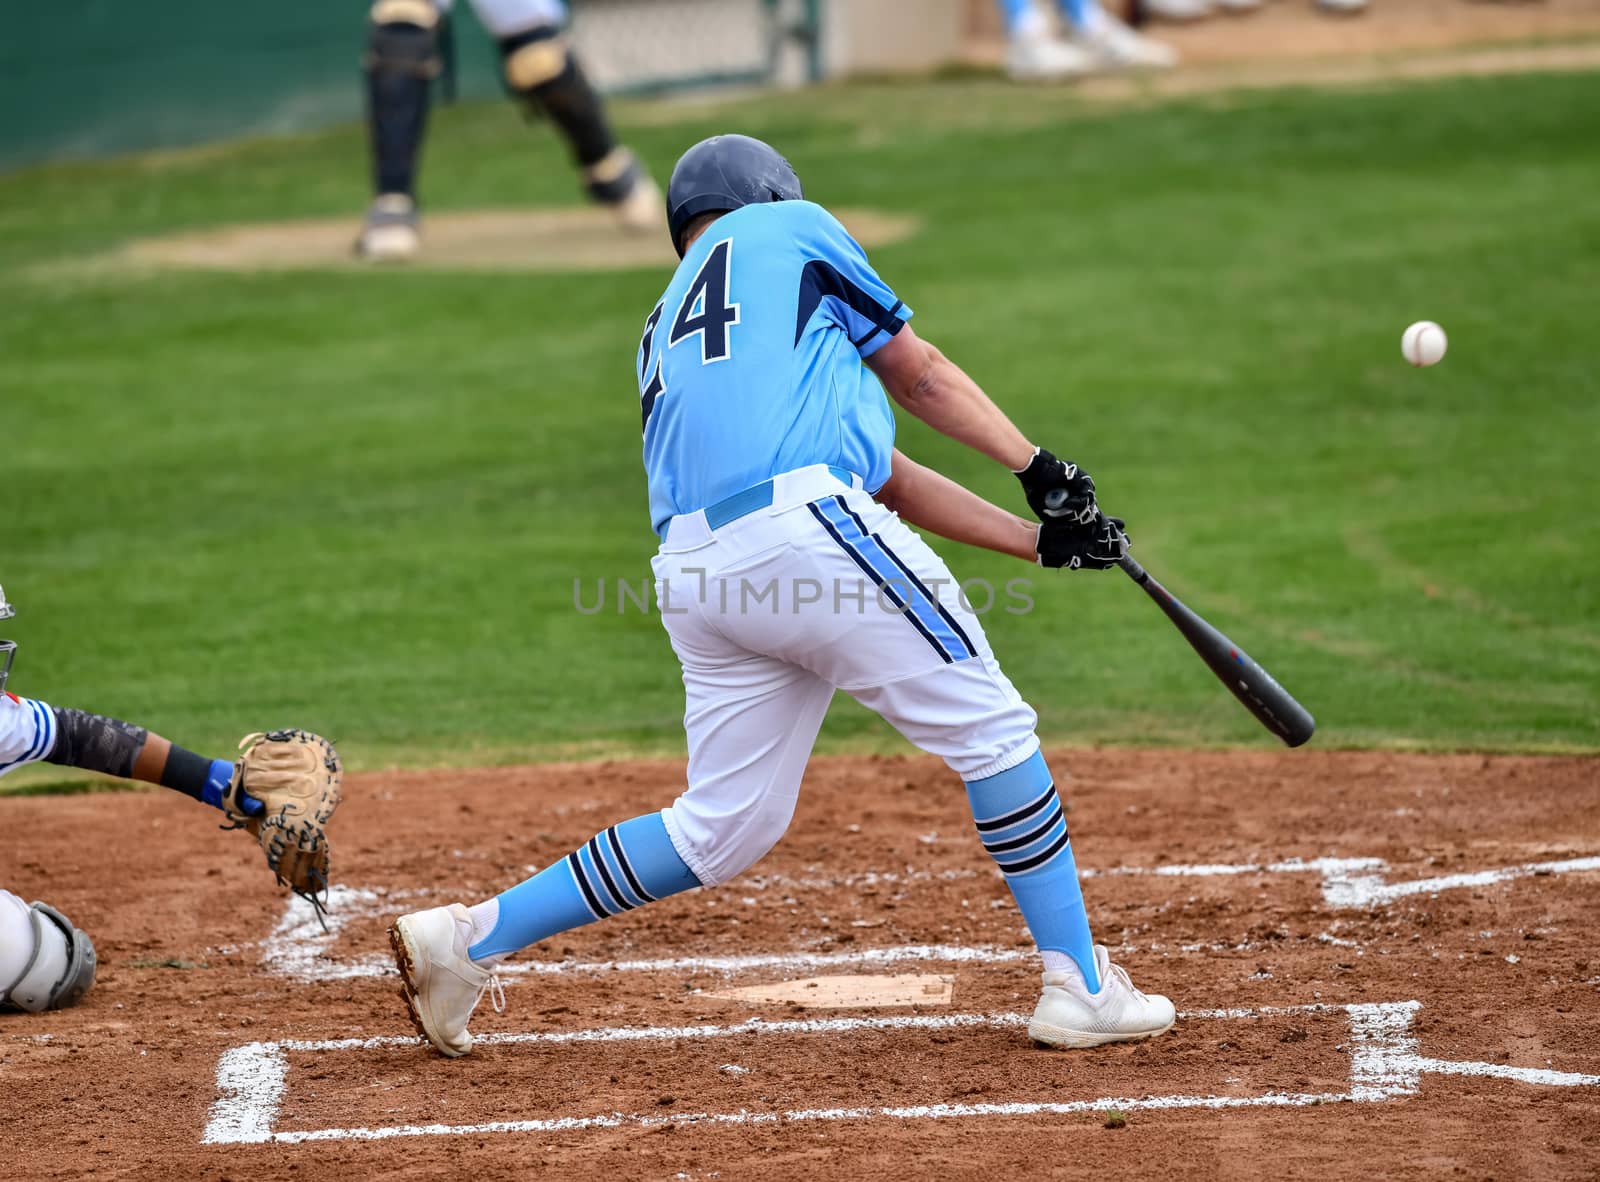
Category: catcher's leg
[45,962]
[542,70]
[401,61]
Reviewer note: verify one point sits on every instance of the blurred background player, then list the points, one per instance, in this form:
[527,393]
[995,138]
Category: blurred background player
[45,962]
[403,58]
[1092,41]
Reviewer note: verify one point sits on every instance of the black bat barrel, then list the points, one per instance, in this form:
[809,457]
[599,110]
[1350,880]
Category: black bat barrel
[1248,681]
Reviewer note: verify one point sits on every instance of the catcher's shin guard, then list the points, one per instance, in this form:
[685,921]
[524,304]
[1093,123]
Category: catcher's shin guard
[401,61]
[541,70]
[47,963]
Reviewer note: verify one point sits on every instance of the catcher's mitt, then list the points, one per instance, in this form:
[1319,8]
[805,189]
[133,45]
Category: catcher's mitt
[295,775]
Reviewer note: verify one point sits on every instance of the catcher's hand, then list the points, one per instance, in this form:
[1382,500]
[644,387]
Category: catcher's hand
[295,776]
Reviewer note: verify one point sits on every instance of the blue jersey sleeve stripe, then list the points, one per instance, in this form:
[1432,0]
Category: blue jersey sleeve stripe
[821,280]
[877,330]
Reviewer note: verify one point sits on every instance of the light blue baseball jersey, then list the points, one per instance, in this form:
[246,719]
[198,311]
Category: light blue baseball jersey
[750,364]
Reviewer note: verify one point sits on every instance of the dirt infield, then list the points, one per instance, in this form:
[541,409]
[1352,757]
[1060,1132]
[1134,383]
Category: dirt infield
[1384,964]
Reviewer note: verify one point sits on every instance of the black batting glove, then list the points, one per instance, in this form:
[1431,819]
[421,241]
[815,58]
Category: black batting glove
[1100,545]
[1058,490]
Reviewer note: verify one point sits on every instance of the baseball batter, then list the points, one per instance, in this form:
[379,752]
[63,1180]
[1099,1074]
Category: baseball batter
[282,791]
[541,70]
[787,570]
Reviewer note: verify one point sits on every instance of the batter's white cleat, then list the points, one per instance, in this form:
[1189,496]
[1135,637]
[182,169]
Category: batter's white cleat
[389,231]
[441,986]
[1068,1015]
[1041,58]
[1114,46]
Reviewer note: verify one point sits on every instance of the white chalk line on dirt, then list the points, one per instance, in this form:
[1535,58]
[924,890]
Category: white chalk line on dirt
[299,948]
[1385,1064]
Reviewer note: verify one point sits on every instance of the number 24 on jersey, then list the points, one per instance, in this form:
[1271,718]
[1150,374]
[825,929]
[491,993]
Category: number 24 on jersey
[704,311]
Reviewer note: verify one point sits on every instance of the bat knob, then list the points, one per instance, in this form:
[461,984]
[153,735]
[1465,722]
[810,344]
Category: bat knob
[1055,498]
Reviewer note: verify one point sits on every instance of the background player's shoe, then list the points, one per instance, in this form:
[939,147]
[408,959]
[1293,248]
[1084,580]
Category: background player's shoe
[623,185]
[440,984]
[389,231]
[643,210]
[1041,58]
[1115,46]
[1178,11]
[1068,1015]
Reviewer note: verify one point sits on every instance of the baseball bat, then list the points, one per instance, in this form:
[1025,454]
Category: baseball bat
[1272,705]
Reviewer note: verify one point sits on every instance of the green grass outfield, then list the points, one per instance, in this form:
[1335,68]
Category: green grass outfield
[358,502]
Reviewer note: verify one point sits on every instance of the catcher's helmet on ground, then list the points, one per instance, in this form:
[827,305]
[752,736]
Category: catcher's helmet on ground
[723,173]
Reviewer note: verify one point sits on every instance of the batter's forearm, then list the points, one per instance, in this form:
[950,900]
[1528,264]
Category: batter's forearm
[939,505]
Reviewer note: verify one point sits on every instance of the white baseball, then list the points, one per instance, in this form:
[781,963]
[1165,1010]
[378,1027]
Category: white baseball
[1424,343]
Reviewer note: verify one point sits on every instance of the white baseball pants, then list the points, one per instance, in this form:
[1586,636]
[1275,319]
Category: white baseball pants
[506,18]
[824,589]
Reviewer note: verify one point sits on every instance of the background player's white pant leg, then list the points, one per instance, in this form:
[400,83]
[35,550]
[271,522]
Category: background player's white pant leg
[751,721]
[506,18]
[27,731]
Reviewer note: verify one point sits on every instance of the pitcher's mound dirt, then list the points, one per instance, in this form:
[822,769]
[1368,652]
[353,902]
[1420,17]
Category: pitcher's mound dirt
[576,239]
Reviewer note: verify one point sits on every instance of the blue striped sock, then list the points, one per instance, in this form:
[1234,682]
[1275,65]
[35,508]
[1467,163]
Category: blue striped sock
[1014,11]
[616,870]
[1022,825]
[1076,12]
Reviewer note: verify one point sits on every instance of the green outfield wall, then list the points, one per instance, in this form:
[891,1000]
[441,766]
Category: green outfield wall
[97,77]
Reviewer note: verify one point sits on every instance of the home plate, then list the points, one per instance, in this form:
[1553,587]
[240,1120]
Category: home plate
[847,992]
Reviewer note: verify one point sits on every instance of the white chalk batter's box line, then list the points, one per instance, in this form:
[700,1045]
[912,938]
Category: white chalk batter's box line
[1384,1065]
[299,948]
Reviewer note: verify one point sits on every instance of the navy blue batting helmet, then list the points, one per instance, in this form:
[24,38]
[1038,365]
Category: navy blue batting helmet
[723,173]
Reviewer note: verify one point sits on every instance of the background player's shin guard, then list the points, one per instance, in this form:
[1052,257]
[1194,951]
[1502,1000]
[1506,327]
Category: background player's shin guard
[401,61]
[541,69]
[1023,826]
[617,870]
